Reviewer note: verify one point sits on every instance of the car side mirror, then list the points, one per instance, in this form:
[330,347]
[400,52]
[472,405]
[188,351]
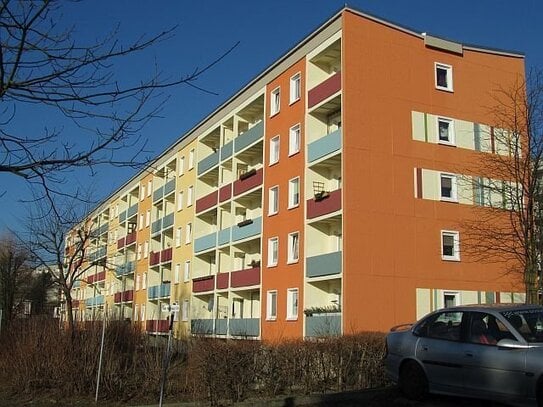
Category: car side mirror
[511,344]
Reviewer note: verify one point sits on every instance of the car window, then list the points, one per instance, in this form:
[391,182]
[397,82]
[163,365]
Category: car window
[445,325]
[527,322]
[486,329]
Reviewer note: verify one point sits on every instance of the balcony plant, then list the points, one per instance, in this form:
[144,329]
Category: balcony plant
[329,309]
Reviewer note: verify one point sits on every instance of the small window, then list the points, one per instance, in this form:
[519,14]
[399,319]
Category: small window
[136,312]
[273,251]
[185,311]
[188,233]
[444,79]
[294,140]
[271,305]
[145,249]
[295,88]
[138,282]
[180,200]
[293,247]
[142,192]
[275,101]
[273,203]
[292,303]
[445,325]
[445,131]
[149,187]
[142,312]
[451,299]
[147,218]
[274,150]
[182,165]
[141,221]
[178,234]
[294,192]
[177,274]
[186,273]
[450,245]
[190,191]
[448,188]
[144,281]
[191,159]
[139,252]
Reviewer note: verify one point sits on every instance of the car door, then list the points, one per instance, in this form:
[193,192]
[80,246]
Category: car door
[490,371]
[438,350]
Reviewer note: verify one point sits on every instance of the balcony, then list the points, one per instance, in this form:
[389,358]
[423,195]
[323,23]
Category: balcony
[166,255]
[324,204]
[156,226]
[157,325]
[75,303]
[324,90]
[158,194]
[323,146]
[205,242]
[245,327]
[167,221]
[120,243]
[249,137]
[245,184]
[203,284]
[158,291]
[122,216]
[201,326]
[132,211]
[320,325]
[247,230]
[245,278]
[324,265]
[225,193]
[209,162]
[91,302]
[224,236]
[130,238]
[154,258]
[169,187]
[226,150]
[222,281]
[103,229]
[128,296]
[221,326]
[124,269]
[206,202]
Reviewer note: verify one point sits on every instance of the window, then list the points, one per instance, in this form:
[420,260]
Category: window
[294,140]
[139,252]
[182,165]
[177,274]
[445,131]
[185,311]
[148,218]
[136,312]
[149,187]
[445,325]
[142,192]
[273,197]
[186,273]
[271,305]
[275,101]
[450,245]
[448,187]
[294,192]
[273,251]
[444,77]
[144,281]
[450,299]
[141,221]
[146,249]
[274,150]
[293,247]
[188,233]
[190,190]
[191,159]
[295,88]
[138,282]
[178,234]
[292,303]
[180,200]
[142,312]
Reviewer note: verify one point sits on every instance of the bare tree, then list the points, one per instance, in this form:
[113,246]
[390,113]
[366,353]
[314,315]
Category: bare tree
[44,64]
[507,226]
[15,275]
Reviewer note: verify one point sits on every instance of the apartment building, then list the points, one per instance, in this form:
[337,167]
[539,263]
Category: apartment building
[325,197]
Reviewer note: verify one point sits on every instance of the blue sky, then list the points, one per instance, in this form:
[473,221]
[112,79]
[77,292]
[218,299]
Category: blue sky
[265,30]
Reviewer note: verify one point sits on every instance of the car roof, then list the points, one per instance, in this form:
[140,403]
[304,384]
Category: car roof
[494,307]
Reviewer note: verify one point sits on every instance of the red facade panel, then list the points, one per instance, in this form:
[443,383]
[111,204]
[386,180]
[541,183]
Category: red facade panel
[128,296]
[130,238]
[154,258]
[225,193]
[222,280]
[324,90]
[118,298]
[203,284]
[207,201]
[245,184]
[246,278]
[327,203]
[166,255]
[157,325]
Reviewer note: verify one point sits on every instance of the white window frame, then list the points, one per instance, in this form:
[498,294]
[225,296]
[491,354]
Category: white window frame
[144,281]
[456,245]
[190,193]
[271,305]
[293,301]
[292,203]
[273,200]
[145,249]
[294,139]
[138,282]
[141,221]
[186,271]
[149,187]
[275,150]
[180,200]
[191,159]
[136,312]
[449,70]
[452,135]
[273,251]
[188,233]
[142,192]
[293,247]
[295,87]
[177,273]
[454,187]
[275,101]
[178,236]
[139,252]
[142,312]
[185,310]
[455,294]
[182,165]
[148,218]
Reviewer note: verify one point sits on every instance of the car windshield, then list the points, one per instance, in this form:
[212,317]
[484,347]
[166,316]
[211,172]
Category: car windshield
[527,322]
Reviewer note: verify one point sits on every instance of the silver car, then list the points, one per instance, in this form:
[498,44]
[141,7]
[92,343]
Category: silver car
[492,352]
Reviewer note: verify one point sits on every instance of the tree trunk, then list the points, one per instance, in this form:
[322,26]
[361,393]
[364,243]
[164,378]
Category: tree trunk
[69,312]
[530,280]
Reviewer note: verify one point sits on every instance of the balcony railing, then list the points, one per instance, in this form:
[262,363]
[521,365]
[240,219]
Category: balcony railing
[247,230]
[246,184]
[324,90]
[320,325]
[169,187]
[157,325]
[132,211]
[324,264]
[245,278]
[124,269]
[154,258]
[158,291]
[166,255]
[324,204]
[206,202]
[201,326]
[205,242]
[226,150]
[122,216]
[98,300]
[203,284]
[328,144]
[120,243]
[156,226]
[209,162]
[167,221]
[158,194]
[249,137]
[245,327]
[224,236]
[225,192]
[223,280]
[130,238]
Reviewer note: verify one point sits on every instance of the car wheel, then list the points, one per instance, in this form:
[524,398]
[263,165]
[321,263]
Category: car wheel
[413,383]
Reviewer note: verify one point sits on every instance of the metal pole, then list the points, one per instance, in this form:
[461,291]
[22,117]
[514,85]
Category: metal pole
[101,353]
[166,362]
